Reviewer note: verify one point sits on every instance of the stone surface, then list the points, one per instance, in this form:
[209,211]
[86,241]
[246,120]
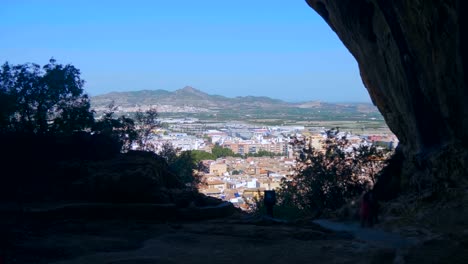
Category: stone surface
[136,176]
[134,211]
[413,60]
[120,241]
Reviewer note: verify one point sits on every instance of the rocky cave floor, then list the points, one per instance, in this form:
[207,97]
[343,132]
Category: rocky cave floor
[215,241]
[436,232]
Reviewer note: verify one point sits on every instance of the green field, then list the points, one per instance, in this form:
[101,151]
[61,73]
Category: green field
[355,122]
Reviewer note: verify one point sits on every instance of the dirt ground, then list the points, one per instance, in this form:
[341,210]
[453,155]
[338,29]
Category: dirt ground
[438,233]
[215,241]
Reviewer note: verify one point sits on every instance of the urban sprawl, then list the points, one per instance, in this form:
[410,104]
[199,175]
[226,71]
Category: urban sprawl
[240,180]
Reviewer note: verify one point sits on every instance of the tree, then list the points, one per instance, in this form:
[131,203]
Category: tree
[371,160]
[220,152]
[147,121]
[328,179]
[7,100]
[262,153]
[50,99]
[130,133]
[183,166]
[182,163]
[199,155]
[121,129]
[168,152]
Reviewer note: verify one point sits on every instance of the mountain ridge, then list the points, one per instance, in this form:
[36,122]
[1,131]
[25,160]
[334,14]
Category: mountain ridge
[192,97]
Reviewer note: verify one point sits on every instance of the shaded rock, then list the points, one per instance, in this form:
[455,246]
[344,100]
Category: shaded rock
[444,250]
[132,177]
[413,61]
[191,198]
[224,209]
[383,256]
[104,211]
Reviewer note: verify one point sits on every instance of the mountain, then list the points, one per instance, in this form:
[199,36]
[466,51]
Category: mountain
[190,98]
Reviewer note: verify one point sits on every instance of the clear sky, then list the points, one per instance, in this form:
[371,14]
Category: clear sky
[276,48]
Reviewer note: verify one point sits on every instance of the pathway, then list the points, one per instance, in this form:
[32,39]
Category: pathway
[374,236]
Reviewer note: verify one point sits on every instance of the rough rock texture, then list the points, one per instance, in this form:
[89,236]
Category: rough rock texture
[413,62]
[135,176]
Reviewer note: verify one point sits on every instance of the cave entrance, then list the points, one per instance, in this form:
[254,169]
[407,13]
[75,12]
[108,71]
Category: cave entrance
[305,64]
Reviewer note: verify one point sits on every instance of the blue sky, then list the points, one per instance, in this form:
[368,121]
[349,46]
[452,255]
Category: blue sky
[276,48]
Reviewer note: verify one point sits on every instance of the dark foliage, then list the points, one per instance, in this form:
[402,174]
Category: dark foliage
[37,166]
[121,129]
[147,122]
[84,167]
[181,164]
[220,152]
[53,149]
[200,155]
[326,180]
[48,99]
[135,176]
[169,152]
[262,153]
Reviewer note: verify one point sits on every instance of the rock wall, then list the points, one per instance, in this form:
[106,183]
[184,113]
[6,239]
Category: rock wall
[412,57]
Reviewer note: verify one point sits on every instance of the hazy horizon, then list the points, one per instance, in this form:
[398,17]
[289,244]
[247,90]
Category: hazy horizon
[283,50]
[288,101]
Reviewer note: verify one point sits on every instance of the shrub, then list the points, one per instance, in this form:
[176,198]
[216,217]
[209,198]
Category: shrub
[327,179]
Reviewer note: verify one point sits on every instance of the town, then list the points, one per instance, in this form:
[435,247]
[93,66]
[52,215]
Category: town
[241,179]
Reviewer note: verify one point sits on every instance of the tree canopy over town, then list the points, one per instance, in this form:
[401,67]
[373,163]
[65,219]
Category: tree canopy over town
[329,178]
[51,139]
[47,99]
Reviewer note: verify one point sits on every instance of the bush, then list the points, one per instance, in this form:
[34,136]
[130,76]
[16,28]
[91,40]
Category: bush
[326,180]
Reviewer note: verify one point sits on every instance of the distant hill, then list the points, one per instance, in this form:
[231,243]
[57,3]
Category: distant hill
[191,97]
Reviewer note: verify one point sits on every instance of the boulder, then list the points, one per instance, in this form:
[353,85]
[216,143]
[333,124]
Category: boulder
[413,61]
[131,177]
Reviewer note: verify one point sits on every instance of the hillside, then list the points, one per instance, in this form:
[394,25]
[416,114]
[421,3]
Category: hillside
[191,97]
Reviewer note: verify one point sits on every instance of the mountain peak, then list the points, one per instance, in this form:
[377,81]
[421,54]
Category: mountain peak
[190,92]
[190,89]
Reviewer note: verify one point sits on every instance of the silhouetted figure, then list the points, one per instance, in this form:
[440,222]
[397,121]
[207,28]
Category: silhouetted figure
[374,208]
[369,209]
[269,201]
[365,210]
